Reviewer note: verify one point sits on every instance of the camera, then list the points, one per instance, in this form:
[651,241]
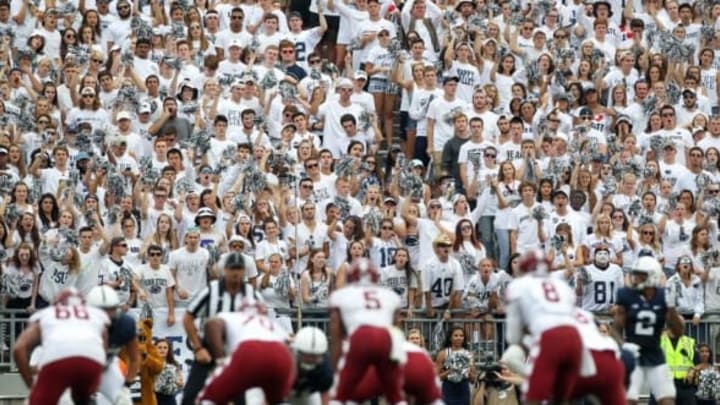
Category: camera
[491,379]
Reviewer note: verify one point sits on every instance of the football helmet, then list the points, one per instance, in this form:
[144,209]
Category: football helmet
[362,271]
[645,273]
[69,296]
[310,340]
[102,296]
[535,261]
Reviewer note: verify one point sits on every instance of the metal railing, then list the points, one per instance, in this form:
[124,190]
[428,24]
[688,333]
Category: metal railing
[485,337]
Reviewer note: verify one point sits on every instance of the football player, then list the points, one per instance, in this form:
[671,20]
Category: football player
[421,380]
[314,375]
[361,316]
[74,337]
[608,382]
[642,310]
[258,356]
[598,282]
[545,308]
[121,334]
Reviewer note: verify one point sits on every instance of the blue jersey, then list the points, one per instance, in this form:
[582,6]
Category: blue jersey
[644,323]
[318,379]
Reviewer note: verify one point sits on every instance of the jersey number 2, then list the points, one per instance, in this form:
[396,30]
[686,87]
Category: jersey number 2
[645,325]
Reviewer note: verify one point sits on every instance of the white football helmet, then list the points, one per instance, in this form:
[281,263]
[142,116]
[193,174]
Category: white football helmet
[310,340]
[310,346]
[102,296]
[651,268]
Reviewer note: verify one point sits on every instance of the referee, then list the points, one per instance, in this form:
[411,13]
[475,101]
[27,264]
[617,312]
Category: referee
[223,295]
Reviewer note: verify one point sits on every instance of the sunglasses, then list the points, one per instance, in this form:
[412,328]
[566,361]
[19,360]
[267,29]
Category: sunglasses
[712,191]
[70,36]
[155,254]
[123,245]
[307,187]
[490,156]
[648,233]
[387,228]
[88,96]
[314,61]
[312,166]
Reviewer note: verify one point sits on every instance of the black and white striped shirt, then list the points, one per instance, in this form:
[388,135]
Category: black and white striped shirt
[214,299]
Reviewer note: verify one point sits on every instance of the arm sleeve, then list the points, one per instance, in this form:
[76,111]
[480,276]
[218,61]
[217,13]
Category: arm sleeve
[199,303]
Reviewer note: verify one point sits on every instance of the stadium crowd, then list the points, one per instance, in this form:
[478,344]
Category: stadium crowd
[143,142]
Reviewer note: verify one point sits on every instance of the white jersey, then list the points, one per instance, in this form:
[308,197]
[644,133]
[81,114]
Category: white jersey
[71,331]
[600,289]
[397,280]
[591,336]
[112,271]
[538,303]
[477,292]
[365,306]
[383,251]
[441,280]
[243,326]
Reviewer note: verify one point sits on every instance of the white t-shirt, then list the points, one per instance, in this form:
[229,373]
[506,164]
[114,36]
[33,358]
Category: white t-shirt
[190,270]
[155,283]
[442,112]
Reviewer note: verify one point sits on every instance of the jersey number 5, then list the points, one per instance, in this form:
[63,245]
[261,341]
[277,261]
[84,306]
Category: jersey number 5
[371,300]
[67,312]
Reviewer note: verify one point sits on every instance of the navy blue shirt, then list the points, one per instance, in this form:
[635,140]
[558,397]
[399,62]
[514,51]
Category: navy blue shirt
[644,323]
[319,379]
[122,331]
